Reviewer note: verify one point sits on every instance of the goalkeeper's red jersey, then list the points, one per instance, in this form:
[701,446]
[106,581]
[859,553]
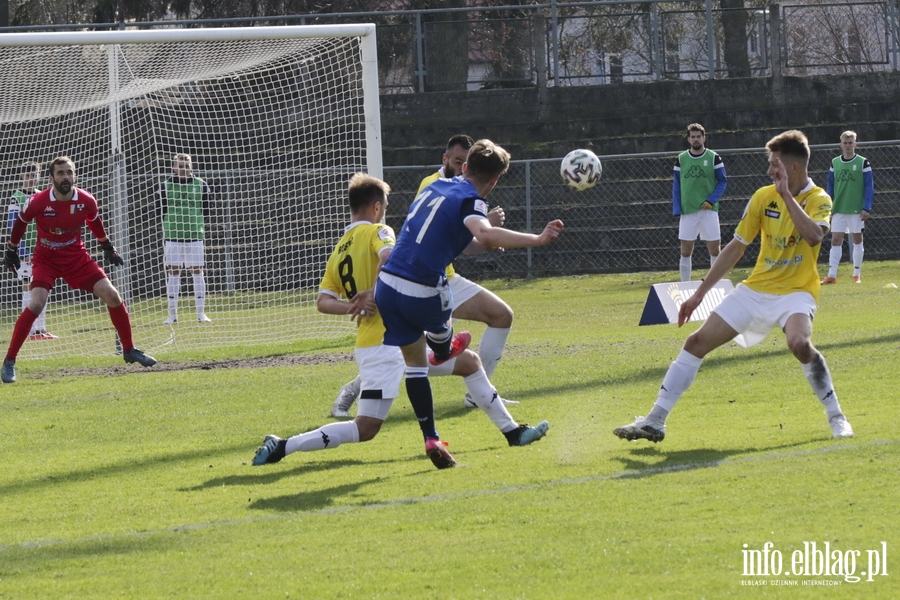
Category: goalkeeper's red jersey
[60,223]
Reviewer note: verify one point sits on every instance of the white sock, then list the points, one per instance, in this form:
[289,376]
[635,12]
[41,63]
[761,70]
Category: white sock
[834,259]
[491,346]
[712,260]
[858,252]
[173,288]
[325,437]
[199,292]
[684,266]
[678,379]
[485,397]
[819,378]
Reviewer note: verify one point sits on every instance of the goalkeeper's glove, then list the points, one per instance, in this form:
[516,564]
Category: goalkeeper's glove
[112,257]
[11,257]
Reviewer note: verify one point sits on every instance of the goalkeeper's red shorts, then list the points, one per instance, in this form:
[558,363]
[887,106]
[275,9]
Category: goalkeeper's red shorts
[77,269]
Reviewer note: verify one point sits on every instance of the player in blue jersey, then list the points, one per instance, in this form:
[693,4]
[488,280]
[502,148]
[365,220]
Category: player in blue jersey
[413,294]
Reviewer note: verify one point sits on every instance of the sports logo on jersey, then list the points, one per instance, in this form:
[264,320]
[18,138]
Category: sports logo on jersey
[695,172]
[847,175]
[773,214]
[386,234]
[773,204]
[73,209]
[481,206]
[49,211]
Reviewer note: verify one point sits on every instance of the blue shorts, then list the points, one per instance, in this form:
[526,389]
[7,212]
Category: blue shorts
[407,317]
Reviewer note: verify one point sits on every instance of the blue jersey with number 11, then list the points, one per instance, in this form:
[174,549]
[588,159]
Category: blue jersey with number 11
[435,231]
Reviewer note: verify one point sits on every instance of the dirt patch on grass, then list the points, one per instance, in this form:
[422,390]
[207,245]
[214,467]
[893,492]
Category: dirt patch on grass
[292,360]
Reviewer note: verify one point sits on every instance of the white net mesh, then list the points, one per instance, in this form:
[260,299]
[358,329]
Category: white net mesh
[274,127]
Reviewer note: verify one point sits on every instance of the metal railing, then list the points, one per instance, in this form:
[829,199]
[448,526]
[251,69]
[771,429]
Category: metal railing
[594,42]
[625,223]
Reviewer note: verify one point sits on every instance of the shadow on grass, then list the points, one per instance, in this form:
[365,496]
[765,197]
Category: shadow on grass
[655,375]
[644,461]
[312,500]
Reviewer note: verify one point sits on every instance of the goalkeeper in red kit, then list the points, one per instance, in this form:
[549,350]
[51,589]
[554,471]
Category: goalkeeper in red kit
[61,211]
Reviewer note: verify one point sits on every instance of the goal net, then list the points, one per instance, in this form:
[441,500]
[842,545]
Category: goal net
[275,120]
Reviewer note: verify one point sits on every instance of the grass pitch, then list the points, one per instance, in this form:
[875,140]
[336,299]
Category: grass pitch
[137,483]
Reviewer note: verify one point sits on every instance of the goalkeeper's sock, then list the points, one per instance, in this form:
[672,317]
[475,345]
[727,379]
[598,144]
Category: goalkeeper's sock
[491,346]
[122,322]
[173,288]
[684,267]
[326,437]
[712,260]
[418,389]
[199,292]
[20,333]
[819,377]
[485,397]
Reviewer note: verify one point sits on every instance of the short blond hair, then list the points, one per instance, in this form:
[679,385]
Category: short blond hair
[365,190]
[848,134]
[486,160]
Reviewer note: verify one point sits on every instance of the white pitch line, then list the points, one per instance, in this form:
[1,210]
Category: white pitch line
[442,497]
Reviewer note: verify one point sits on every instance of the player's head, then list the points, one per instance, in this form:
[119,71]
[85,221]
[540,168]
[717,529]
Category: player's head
[30,173]
[848,143]
[455,155]
[62,174]
[486,162]
[792,146]
[365,192]
[182,165]
[696,135]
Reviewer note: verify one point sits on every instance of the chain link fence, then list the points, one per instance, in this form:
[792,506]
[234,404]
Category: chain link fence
[625,223]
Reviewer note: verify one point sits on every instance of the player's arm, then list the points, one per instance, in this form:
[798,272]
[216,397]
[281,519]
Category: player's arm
[496,217]
[159,197]
[498,237]
[868,188]
[728,258]
[206,200]
[829,187]
[676,190]
[721,184]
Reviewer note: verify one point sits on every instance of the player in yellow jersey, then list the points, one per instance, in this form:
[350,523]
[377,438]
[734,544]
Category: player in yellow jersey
[471,302]
[792,218]
[347,288]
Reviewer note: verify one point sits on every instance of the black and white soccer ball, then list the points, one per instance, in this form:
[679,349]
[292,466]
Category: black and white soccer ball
[581,169]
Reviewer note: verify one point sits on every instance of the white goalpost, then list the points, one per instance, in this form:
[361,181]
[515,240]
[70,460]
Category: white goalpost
[275,120]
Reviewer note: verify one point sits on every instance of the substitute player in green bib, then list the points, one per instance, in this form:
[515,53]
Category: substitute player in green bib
[791,218]
[697,186]
[852,189]
[184,200]
[30,175]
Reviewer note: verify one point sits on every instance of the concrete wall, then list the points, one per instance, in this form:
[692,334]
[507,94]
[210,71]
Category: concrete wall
[641,117]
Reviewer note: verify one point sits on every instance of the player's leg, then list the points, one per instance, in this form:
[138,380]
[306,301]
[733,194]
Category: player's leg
[679,377]
[405,318]
[468,366]
[837,248]
[474,303]
[121,320]
[22,330]
[688,230]
[194,260]
[710,232]
[798,333]
[173,260]
[347,395]
[858,249]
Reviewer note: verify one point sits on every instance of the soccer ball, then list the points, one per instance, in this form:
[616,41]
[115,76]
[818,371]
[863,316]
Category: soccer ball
[581,169]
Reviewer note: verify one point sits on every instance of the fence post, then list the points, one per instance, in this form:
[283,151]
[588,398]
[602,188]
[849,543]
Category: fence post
[554,23]
[420,55]
[656,61]
[775,29]
[710,41]
[529,274]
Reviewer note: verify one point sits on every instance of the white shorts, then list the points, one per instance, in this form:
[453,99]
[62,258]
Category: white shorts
[847,223]
[382,369]
[704,223]
[183,254]
[754,314]
[462,289]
